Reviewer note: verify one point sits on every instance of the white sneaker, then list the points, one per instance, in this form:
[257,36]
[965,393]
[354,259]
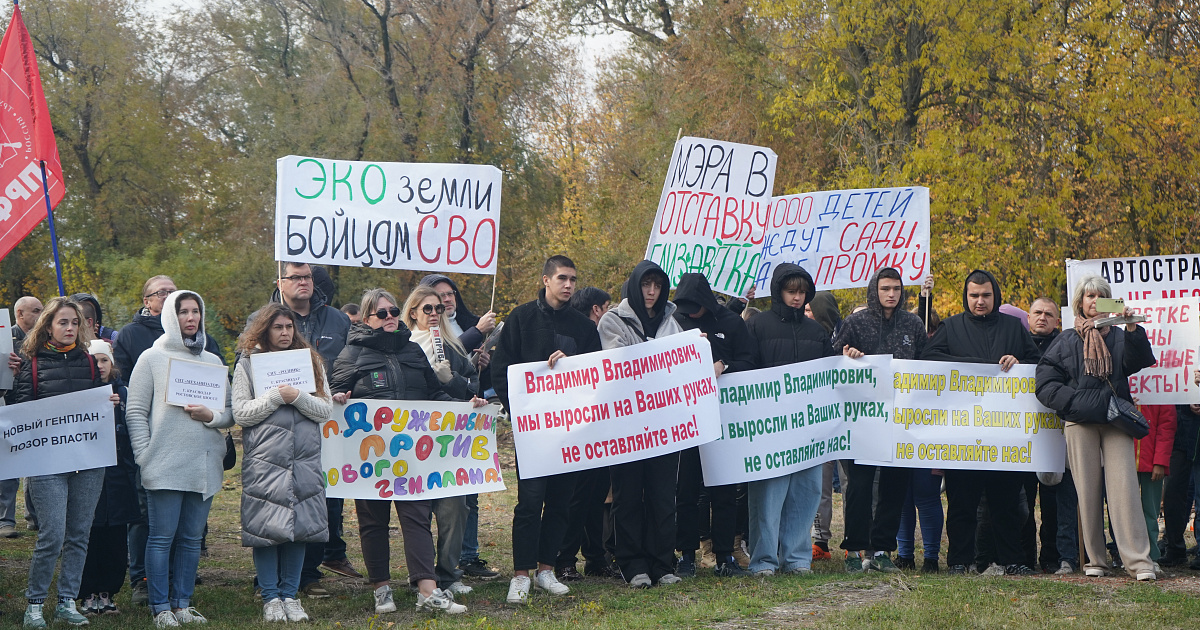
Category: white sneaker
[1146,576]
[273,611]
[294,611]
[458,588]
[518,590]
[91,605]
[189,615]
[640,580]
[765,573]
[166,619]
[547,582]
[1095,572]
[669,578]
[383,600]
[438,600]
[1064,569]
[993,570]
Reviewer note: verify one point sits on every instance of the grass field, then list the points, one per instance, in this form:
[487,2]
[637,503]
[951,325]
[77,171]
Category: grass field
[829,598]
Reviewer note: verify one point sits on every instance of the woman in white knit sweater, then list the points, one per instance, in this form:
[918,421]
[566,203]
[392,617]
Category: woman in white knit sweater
[179,451]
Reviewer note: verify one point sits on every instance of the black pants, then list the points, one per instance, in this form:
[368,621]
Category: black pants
[416,517]
[540,519]
[1029,485]
[585,520]
[107,559]
[1176,507]
[873,529]
[719,512]
[1048,534]
[334,550]
[644,513]
[964,488]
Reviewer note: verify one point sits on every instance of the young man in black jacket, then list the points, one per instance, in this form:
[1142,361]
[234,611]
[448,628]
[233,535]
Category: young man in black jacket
[546,329]
[884,327]
[982,334]
[732,350]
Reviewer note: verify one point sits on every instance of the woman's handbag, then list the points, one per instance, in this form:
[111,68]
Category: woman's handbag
[230,452]
[1125,416]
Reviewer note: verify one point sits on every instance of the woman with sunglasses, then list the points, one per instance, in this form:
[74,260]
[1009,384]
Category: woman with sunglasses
[380,361]
[425,316]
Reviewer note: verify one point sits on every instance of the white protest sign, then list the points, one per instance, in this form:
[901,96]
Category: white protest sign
[615,406]
[196,383]
[842,237]
[6,348]
[1173,327]
[286,367]
[780,420]
[388,215]
[58,434]
[712,212]
[1141,278]
[410,450]
[970,416]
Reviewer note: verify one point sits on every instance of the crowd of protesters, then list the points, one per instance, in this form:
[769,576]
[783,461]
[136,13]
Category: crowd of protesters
[144,519]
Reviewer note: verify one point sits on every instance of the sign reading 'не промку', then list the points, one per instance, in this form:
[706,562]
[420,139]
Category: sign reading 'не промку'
[388,215]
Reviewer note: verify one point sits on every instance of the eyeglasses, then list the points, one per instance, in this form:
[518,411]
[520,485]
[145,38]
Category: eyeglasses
[161,293]
[428,309]
[307,278]
[384,312]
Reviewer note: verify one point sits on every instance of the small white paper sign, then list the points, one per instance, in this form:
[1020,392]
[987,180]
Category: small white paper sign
[6,346]
[285,367]
[195,383]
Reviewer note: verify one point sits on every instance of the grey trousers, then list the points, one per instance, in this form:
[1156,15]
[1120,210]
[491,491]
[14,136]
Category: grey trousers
[8,501]
[66,504]
[451,515]
[820,529]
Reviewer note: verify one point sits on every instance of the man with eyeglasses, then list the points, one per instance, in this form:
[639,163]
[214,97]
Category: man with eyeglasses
[327,329]
[134,339]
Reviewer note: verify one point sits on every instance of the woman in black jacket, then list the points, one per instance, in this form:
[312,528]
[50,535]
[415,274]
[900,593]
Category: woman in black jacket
[381,361]
[1082,369]
[56,362]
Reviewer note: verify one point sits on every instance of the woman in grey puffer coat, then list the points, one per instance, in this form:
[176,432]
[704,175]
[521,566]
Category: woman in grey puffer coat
[283,497]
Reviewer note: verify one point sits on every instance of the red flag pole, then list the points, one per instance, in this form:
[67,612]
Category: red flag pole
[50,218]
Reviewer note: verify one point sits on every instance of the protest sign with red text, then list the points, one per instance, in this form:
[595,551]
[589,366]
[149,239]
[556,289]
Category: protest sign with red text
[842,237]
[712,212]
[615,406]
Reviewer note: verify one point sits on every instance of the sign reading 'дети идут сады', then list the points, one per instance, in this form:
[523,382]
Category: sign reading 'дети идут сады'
[388,215]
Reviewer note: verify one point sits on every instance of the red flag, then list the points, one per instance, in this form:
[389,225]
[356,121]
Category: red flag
[26,140]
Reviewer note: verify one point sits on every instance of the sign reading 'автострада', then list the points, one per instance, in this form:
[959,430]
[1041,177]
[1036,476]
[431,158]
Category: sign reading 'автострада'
[388,215]
[410,450]
[615,406]
[780,420]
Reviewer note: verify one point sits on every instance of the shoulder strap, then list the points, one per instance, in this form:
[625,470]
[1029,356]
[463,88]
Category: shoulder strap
[635,326]
[33,359]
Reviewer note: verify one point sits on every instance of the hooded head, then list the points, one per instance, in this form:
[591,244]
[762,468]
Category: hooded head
[172,338]
[873,302]
[694,293]
[781,278]
[646,270]
[981,278]
[462,315]
[825,311]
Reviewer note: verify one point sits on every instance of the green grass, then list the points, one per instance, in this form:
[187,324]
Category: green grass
[829,598]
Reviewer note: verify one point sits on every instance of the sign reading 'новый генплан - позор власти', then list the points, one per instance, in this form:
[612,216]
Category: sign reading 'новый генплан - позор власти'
[388,215]
[59,434]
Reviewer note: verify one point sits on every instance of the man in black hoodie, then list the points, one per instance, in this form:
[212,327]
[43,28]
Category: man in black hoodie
[732,350]
[982,334]
[884,327]
[546,329]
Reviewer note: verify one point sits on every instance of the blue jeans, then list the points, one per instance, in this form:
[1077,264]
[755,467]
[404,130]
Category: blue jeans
[781,513]
[66,504]
[924,499]
[470,543]
[278,568]
[1067,540]
[179,517]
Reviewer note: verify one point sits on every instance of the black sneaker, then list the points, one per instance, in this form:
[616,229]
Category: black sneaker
[1172,560]
[568,574]
[958,569]
[730,569]
[930,566]
[686,567]
[1018,569]
[905,563]
[1194,564]
[479,569]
